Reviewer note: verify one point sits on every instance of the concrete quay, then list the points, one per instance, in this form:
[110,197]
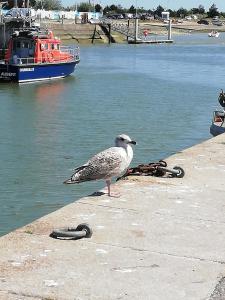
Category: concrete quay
[164,238]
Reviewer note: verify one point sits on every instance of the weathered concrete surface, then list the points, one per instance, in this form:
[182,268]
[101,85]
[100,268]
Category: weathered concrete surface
[164,238]
[79,32]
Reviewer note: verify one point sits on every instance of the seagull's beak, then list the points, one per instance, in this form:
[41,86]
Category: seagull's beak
[132,142]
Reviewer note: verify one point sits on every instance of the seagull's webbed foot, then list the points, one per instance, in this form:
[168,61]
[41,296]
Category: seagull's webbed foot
[114,194]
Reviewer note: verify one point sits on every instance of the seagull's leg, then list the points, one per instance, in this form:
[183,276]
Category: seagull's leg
[108,183]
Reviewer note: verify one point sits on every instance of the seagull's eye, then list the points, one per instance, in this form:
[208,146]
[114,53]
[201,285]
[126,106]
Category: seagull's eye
[122,139]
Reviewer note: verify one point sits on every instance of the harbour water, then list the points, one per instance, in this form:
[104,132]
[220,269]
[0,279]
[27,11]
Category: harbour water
[161,95]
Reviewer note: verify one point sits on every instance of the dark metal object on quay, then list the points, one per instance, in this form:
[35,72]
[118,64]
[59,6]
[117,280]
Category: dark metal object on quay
[74,233]
[175,172]
[157,169]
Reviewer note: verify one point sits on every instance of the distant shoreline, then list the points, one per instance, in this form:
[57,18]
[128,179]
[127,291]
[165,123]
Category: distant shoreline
[68,31]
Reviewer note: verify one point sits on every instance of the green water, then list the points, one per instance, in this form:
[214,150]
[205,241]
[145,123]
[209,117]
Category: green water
[162,96]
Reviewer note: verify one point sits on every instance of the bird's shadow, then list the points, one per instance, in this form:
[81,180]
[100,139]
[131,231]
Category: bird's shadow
[97,194]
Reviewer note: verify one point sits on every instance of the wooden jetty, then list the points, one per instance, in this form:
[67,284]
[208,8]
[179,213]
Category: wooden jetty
[131,31]
[141,41]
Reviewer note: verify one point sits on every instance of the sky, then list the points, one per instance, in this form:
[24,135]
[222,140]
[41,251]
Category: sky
[220,4]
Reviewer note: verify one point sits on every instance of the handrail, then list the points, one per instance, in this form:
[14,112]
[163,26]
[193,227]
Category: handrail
[121,28]
[67,54]
[43,60]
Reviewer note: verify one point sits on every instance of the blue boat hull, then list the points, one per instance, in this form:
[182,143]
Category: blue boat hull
[36,72]
[216,130]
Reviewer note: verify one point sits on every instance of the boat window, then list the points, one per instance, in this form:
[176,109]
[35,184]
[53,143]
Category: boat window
[25,45]
[53,46]
[58,47]
[14,45]
[43,46]
[31,49]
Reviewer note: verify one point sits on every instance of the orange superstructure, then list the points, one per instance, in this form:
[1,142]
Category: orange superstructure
[44,48]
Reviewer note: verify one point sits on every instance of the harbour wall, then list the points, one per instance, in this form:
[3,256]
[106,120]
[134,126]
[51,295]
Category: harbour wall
[80,33]
[164,238]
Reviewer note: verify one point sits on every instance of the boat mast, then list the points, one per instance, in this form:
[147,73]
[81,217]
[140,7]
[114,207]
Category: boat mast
[28,5]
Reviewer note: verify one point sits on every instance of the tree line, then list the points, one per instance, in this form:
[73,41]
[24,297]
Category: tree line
[51,5]
[37,4]
[117,9]
[181,12]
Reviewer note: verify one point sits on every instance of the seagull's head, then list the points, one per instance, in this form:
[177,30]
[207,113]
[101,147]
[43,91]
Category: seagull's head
[123,140]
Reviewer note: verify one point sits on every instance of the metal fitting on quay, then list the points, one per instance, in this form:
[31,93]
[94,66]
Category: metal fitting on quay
[72,233]
[157,169]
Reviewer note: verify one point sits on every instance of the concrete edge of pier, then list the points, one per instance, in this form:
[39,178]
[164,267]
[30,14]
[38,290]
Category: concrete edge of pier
[164,238]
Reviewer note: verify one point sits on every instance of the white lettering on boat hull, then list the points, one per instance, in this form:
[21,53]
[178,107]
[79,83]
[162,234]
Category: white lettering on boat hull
[26,69]
[7,74]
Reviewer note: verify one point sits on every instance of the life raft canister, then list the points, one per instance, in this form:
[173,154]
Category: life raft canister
[44,57]
[145,32]
[50,57]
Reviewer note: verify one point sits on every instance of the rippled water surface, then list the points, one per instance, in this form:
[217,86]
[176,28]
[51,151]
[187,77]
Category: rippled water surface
[161,95]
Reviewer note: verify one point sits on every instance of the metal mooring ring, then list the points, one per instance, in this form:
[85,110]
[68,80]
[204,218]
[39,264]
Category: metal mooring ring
[73,233]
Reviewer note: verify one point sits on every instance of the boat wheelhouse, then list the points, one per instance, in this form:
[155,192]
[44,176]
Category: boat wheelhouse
[218,125]
[218,121]
[34,55]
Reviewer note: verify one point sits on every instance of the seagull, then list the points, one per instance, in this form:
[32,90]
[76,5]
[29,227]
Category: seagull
[106,164]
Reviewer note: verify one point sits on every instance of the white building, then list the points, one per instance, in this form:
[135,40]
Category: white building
[165,15]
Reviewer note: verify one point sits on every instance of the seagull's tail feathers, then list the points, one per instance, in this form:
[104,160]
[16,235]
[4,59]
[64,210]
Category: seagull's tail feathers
[75,178]
[70,181]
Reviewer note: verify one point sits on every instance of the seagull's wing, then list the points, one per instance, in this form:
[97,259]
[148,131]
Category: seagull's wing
[105,164]
[102,165]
